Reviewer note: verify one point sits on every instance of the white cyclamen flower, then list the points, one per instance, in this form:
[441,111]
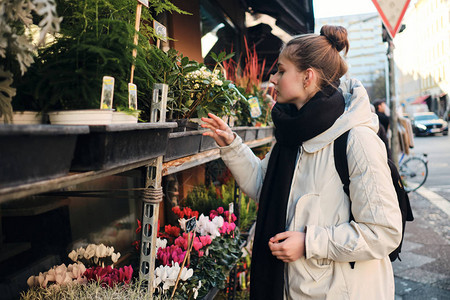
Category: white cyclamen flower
[73,255]
[109,251]
[195,290]
[80,252]
[90,251]
[100,251]
[206,227]
[161,243]
[115,257]
[182,224]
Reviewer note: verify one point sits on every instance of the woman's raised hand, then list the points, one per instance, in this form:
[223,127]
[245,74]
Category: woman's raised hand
[220,131]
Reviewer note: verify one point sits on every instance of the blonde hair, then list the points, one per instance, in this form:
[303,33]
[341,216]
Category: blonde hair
[320,52]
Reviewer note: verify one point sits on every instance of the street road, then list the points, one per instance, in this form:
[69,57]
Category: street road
[424,272]
[438,149]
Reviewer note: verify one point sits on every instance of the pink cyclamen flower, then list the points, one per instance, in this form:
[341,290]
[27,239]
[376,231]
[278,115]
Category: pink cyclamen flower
[205,240]
[213,214]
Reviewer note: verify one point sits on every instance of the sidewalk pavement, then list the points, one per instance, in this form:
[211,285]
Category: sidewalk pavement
[424,272]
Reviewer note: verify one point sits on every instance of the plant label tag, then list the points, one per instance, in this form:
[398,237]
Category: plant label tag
[160,30]
[132,96]
[255,109]
[144,2]
[107,92]
[230,211]
[191,224]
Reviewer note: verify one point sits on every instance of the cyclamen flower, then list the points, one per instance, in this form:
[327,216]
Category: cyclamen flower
[170,254]
[227,228]
[160,243]
[233,217]
[59,275]
[108,276]
[186,212]
[172,230]
[207,227]
[198,243]
[90,251]
[168,275]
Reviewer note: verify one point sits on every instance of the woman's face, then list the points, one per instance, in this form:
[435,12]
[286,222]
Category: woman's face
[289,83]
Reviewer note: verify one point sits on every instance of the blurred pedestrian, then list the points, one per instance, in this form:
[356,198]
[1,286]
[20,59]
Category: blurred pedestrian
[382,134]
[381,111]
[304,239]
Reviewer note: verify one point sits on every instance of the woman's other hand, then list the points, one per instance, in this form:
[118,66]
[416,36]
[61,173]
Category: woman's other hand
[288,246]
[220,131]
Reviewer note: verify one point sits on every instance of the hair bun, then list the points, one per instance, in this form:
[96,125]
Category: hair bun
[337,36]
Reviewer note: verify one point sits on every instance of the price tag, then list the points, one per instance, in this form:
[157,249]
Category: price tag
[255,109]
[144,2]
[107,92]
[191,224]
[132,96]
[160,30]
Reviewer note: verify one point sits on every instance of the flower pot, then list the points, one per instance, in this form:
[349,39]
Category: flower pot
[185,125]
[207,143]
[264,132]
[108,146]
[251,134]
[183,144]
[25,117]
[240,131]
[31,153]
[119,117]
[81,117]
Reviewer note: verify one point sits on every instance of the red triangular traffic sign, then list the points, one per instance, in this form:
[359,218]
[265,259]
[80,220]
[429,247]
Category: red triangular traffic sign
[391,12]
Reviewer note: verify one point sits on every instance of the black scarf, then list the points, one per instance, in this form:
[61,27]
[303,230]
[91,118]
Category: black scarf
[292,128]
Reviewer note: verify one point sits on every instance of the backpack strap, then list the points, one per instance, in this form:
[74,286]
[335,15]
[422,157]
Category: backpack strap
[341,163]
[340,160]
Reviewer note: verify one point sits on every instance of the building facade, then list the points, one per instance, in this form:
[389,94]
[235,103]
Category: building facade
[366,58]
[422,55]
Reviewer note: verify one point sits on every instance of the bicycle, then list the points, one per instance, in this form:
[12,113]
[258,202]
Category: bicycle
[413,171]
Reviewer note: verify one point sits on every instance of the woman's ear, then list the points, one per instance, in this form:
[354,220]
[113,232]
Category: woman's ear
[310,78]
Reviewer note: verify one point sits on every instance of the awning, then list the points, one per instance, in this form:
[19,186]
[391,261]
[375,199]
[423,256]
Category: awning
[421,99]
[293,16]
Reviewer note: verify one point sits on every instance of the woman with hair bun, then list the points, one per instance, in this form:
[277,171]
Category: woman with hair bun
[305,245]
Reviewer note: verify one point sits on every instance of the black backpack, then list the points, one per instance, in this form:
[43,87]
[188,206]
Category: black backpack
[340,160]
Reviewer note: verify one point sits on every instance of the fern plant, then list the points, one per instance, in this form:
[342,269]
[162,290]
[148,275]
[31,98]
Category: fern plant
[96,39]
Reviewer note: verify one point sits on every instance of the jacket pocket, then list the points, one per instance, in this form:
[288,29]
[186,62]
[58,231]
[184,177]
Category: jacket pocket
[319,268]
[307,211]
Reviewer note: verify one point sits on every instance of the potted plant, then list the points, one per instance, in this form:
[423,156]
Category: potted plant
[249,77]
[53,146]
[95,40]
[18,19]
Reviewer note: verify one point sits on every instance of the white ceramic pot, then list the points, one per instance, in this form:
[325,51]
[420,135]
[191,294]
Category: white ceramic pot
[119,117]
[81,117]
[25,117]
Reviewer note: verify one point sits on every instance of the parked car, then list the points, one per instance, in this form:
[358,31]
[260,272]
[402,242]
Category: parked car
[428,123]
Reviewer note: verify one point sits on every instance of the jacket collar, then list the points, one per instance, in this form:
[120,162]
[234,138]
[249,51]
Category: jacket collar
[357,113]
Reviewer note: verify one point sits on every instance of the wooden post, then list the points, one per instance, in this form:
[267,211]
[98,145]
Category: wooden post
[136,27]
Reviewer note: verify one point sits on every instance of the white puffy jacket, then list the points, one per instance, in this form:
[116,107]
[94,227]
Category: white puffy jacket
[318,205]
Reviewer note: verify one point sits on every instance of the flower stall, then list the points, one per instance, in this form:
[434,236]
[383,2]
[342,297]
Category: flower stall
[73,233]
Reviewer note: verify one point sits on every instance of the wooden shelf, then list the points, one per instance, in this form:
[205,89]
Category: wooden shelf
[170,167]
[24,190]
[191,161]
